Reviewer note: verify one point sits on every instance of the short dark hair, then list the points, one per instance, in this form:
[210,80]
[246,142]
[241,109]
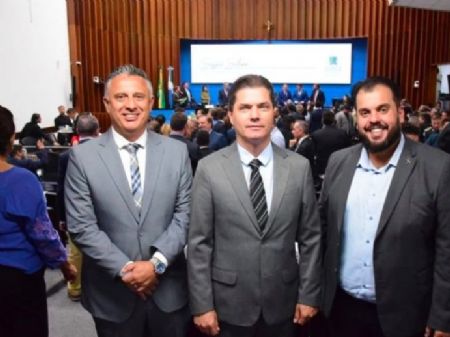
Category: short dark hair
[178,121]
[35,118]
[369,83]
[161,119]
[410,129]
[7,129]
[328,117]
[16,149]
[250,81]
[202,138]
[87,125]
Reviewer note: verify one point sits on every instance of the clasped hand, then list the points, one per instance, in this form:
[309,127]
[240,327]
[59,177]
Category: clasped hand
[140,277]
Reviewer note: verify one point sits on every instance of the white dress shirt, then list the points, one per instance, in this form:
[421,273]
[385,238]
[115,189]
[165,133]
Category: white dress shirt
[266,169]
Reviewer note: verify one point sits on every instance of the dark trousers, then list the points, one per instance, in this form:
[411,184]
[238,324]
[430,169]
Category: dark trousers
[259,329]
[23,303]
[147,320]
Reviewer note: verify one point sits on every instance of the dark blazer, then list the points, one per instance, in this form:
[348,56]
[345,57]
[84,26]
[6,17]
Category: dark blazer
[283,97]
[412,246]
[29,164]
[62,120]
[34,131]
[217,141]
[443,141]
[307,150]
[326,141]
[315,120]
[235,269]
[320,96]
[193,150]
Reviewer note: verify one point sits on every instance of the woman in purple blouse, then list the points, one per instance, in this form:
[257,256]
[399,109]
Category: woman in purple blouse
[28,244]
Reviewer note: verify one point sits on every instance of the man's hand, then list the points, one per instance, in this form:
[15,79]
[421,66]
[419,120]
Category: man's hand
[69,271]
[40,144]
[140,277]
[437,333]
[303,313]
[207,323]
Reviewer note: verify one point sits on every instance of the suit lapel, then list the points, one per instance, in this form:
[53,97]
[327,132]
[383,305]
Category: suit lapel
[402,173]
[343,184]
[153,165]
[233,169]
[280,179]
[109,154]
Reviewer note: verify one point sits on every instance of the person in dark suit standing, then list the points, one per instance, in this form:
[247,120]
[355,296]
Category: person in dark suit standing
[317,95]
[443,141]
[384,206]
[223,94]
[251,202]
[178,131]
[127,196]
[203,144]
[87,129]
[216,140]
[302,141]
[328,140]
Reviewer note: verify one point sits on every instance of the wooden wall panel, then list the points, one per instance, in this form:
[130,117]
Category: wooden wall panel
[403,43]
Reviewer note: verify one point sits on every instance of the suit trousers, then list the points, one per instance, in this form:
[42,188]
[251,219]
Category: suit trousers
[23,303]
[352,317]
[259,329]
[147,320]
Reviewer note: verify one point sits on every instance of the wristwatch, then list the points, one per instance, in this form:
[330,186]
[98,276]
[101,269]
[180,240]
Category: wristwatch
[160,267]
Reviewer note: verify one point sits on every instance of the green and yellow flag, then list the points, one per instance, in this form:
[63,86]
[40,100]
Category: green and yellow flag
[160,93]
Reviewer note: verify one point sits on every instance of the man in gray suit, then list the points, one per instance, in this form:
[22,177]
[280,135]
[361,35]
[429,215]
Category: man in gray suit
[127,203]
[251,202]
[385,207]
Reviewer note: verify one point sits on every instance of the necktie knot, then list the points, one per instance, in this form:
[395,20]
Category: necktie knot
[255,164]
[132,147]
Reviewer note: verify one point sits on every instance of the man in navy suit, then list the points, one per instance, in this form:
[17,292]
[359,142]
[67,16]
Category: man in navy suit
[284,96]
[300,94]
[216,140]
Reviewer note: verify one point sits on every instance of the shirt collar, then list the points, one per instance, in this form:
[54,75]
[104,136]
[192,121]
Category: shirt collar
[264,157]
[365,163]
[121,141]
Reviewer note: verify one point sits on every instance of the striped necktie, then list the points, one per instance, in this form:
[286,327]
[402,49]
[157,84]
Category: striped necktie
[136,186]
[258,195]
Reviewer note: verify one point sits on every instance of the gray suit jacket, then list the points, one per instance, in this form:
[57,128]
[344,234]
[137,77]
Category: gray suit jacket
[105,224]
[411,251]
[234,269]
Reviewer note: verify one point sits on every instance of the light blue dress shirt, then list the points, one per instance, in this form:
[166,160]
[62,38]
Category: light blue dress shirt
[266,169]
[361,218]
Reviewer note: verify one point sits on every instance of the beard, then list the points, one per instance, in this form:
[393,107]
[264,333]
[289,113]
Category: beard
[392,138]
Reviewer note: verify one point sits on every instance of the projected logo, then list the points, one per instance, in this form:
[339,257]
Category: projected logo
[333,60]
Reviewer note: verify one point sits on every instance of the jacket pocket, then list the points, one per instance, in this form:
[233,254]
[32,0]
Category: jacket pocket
[224,276]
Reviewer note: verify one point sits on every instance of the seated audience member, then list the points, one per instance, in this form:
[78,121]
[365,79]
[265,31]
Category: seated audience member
[62,120]
[302,142]
[31,132]
[435,126]
[328,140]
[18,157]
[411,131]
[180,132]
[223,95]
[300,94]
[216,140]
[205,98]
[284,96]
[203,144]
[87,129]
[28,244]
